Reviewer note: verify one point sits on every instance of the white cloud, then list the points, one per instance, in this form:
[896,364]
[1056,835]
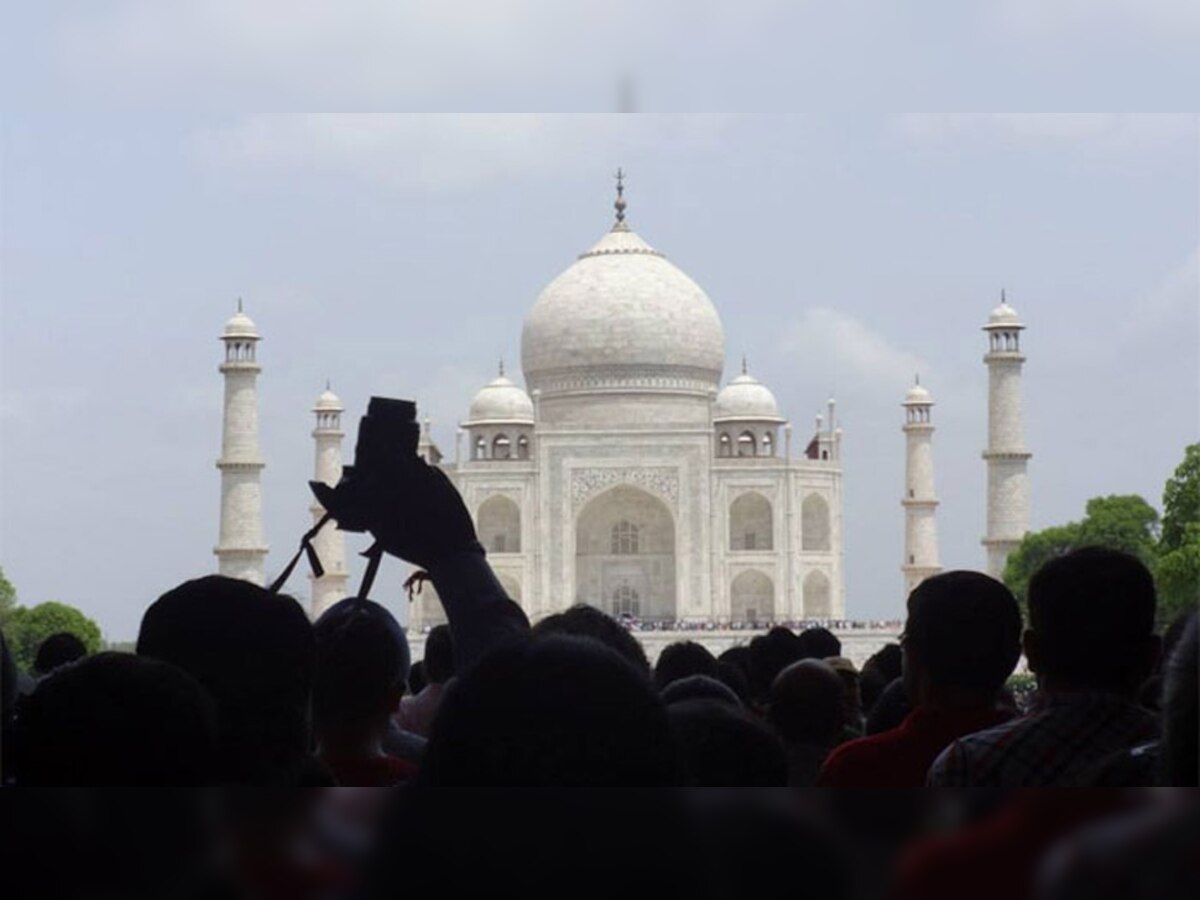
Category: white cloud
[431,151]
[1052,17]
[830,347]
[382,52]
[1116,130]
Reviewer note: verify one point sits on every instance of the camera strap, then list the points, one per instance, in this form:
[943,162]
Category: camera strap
[373,555]
[306,548]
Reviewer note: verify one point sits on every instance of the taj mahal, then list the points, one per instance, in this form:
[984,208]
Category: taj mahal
[625,470]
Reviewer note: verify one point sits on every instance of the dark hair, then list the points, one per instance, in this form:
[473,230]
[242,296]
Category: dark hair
[116,719]
[587,621]
[965,628]
[58,650]
[439,655]
[723,746]
[416,677]
[699,687]
[738,657]
[889,709]
[362,657]
[882,667]
[735,679]
[770,654]
[819,643]
[681,659]
[253,652]
[1088,610]
[550,710]
[808,703]
[1180,712]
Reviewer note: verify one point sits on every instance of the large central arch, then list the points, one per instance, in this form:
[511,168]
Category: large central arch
[625,554]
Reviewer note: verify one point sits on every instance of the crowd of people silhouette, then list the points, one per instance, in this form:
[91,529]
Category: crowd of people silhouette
[231,685]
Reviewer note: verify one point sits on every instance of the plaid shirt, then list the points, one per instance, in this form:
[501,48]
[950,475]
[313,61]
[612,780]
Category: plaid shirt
[1057,744]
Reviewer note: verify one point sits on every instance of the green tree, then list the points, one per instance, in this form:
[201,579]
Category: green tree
[8,597]
[1122,522]
[1178,576]
[1035,550]
[1181,499]
[27,628]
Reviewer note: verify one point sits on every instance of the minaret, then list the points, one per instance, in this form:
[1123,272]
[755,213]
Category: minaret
[241,548]
[329,543]
[920,502]
[1006,456]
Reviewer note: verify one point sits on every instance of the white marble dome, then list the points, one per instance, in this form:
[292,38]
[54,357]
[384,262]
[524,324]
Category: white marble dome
[746,398]
[916,395]
[501,401]
[328,401]
[622,317]
[1004,316]
[241,325]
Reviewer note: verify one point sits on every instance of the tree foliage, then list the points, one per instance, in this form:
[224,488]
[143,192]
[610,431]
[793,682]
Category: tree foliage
[1122,522]
[8,597]
[25,629]
[1178,575]
[1170,548]
[1181,500]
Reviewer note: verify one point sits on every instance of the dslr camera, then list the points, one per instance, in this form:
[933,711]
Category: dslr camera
[385,451]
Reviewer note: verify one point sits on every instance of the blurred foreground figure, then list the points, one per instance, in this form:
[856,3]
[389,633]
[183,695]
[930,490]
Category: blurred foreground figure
[58,650]
[808,711]
[961,641]
[361,667]
[552,710]
[115,719]
[253,652]
[416,712]
[1091,643]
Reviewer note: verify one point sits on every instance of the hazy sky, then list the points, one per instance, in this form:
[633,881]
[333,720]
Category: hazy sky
[398,255]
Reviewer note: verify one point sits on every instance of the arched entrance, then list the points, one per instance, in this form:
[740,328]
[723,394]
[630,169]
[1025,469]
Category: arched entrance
[625,555]
[817,600]
[752,598]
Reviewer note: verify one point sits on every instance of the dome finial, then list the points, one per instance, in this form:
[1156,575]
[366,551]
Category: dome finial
[327,385]
[619,205]
[917,379]
[1003,299]
[500,368]
[743,363]
[239,304]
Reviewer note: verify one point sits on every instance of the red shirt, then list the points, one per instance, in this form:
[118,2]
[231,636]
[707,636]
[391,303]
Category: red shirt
[901,757]
[380,771]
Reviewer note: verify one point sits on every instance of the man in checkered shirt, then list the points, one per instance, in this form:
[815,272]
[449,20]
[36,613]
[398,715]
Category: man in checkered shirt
[1091,644]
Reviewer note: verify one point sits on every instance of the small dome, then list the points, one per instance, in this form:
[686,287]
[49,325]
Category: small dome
[501,401]
[328,401]
[1003,315]
[746,398]
[917,394]
[241,325]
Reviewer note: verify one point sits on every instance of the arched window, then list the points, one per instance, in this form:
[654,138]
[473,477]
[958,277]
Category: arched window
[746,444]
[501,447]
[626,602]
[768,444]
[480,448]
[814,523]
[624,538]
[499,525]
[750,524]
[752,598]
[817,599]
[522,447]
[726,445]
